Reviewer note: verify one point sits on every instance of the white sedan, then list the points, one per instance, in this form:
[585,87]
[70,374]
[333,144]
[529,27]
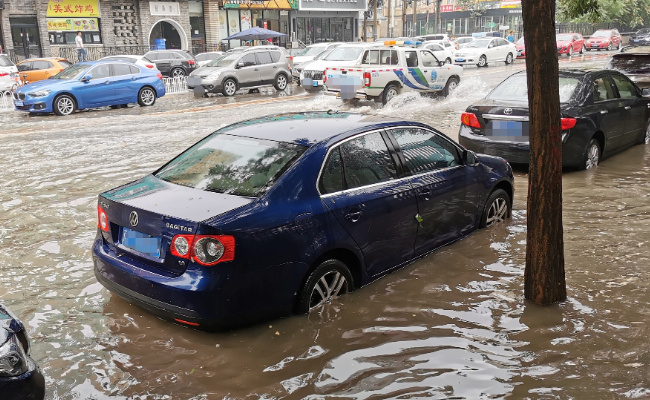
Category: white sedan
[486,50]
[138,60]
[444,54]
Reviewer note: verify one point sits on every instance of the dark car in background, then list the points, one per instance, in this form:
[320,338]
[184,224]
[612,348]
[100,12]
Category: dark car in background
[20,376]
[602,112]
[640,37]
[634,62]
[173,63]
[285,213]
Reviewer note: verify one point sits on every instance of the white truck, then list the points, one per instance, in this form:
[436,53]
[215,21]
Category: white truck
[385,72]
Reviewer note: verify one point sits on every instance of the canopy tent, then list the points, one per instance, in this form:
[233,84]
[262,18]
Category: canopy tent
[255,34]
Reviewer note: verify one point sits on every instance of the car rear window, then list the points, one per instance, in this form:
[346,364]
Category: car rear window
[515,88]
[631,63]
[5,62]
[225,163]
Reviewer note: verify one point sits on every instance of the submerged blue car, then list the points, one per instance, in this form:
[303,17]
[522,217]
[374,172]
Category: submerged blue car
[285,213]
[91,84]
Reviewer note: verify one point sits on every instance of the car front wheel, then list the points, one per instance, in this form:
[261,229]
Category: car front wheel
[509,59]
[330,280]
[229,87]
[482,61]
[448,60]
[147,96]
[64,105]
[451,85]
[609,46]
[497,208]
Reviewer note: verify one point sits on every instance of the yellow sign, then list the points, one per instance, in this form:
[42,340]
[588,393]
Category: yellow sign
[72,8]
[261,4]
[72,24]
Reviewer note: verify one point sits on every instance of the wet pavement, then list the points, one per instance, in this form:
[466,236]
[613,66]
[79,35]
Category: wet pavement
[454,324]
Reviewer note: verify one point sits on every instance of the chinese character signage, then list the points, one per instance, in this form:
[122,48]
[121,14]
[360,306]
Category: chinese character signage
[511,4]
[261,4]
[333,5]
[72,24]
[164,8]
[72,8]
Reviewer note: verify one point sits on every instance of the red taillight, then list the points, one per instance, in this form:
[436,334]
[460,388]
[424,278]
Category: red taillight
[470,120]
[366,79]
[159,75]
[324,76]
[191,62]
[149,66]
[204,249]
[102,219]
[3,74]
[568,123]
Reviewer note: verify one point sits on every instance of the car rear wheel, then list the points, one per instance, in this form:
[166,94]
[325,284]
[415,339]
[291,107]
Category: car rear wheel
[229,87]
[330,280]
[178,73]
[451,85]
[280,82]
[609,46]
[390,92]
[497,208]
[146,96]
[583,48]
[592,155]
[509,59]
[64,105]
[482,61]
[646,137]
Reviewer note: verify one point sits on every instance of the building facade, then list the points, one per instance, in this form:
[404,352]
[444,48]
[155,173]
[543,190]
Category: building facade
[36,28]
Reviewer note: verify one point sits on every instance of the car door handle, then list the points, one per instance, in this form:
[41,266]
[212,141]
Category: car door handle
[604,111]
[107,82]
[425,193]
[256,69]
[628,107]
[354,215]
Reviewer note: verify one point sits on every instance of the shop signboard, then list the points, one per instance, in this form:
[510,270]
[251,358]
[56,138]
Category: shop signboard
[164,8]
[333,5]
[510,3]
[72,8]
[261,4]
[72,24]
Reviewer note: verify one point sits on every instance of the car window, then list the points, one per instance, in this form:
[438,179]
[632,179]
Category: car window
[366,161]
[26,66]
[263,57]
[435,47]
[370,57]
[5,62]
[275,56]
[331,179]
[602,90]
[178,56]
[153,56]
[425,151]
[626,88]
[248,59]
[388,57]
[65,64]
[121,69]
[100,71]
[515,88]
[429,60]
[41,64]
[411,59]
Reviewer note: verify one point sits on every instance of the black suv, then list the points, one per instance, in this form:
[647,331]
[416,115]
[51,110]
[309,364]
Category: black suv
[173,63]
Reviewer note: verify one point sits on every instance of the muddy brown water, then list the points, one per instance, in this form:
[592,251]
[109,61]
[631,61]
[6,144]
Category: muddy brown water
[452,325]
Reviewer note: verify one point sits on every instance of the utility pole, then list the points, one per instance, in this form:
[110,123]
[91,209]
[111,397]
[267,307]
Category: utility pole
[374,22]
[389,23]
[415,18]
[438,17]
[403,17]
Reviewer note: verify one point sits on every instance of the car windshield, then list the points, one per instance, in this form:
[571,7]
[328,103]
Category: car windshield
[521,40]
[631,63]
[224,60]
[601,34]
[225,163]
[563,38]
[344,54]
[515,88]
[312,50]
[73,72]
[323,54]
[479,43]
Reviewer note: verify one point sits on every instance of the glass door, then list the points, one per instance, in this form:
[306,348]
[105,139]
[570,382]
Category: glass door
[26,41]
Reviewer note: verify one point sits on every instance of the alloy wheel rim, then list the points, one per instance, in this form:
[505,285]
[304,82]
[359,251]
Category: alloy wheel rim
[498,211]
[329,287]
[509,58]
[147,97]
[65,105]
[230,88]
[282,82]
[390,94]
[452,86]
[482,61]
[178,73]
[592,156]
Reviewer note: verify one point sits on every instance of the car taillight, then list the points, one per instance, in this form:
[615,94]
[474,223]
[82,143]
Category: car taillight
[568,123]
[191,62]
[102,219]
[366,79]
[149,66]
[3,74]
[159,75]
[470,120]
[204,249]
[324,76]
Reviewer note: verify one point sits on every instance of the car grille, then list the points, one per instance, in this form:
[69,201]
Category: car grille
[19,96]
[315,75]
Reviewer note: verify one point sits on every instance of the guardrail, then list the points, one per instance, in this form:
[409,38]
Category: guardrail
[6,101]
[175,85]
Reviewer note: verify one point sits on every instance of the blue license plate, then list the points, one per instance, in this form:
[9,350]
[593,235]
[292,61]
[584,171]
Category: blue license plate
[18,103]
[509,130]
[460,59]
[141,242]
[315,83]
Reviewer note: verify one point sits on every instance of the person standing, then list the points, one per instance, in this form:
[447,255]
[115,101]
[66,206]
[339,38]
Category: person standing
[81,51]
[511,37]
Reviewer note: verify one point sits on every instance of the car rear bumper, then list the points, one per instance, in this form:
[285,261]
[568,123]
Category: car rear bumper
[513,152]
[28,386]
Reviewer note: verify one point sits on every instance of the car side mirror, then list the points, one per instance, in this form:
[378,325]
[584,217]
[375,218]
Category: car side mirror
[469,158]
[240,64]
[645,92]
[86,78]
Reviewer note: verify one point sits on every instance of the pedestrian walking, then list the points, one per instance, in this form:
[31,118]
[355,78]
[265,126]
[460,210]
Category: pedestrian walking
[81,51]
[511,37]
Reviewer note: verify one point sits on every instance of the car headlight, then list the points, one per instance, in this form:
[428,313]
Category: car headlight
[13,361]
[40,93]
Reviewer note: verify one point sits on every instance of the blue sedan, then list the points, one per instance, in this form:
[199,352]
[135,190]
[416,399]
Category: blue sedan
[285,213]
[91,84]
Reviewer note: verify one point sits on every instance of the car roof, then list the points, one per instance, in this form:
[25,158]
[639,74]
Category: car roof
[308,128]
[45,59]
[122,55]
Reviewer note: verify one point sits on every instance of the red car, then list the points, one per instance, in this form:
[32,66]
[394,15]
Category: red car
[604,39]
[521,48]
[569,43]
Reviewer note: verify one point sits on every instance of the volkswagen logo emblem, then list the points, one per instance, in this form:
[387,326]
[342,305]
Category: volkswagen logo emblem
[133,218]
[507,111]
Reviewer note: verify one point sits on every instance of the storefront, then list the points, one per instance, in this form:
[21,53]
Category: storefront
[25,37]
[67,17]
[239,15]
[327,21]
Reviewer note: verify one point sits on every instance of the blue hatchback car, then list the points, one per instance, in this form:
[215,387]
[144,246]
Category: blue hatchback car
[284,213]
[91,84]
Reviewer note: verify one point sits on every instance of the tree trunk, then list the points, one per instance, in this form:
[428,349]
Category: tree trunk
[544,281]
[415,18]
[438,18]
[374,22]
[389,26]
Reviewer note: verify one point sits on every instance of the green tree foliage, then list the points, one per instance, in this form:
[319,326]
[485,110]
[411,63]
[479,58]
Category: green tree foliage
[628,12]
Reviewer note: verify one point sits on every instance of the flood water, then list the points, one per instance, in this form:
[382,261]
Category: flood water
[452,325]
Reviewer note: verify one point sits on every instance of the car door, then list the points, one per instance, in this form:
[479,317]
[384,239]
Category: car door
[40,70]
[415,79]
[124,83]
[163,61]
[435,75]
[447,191]
[98,91]
[360,185]
[636,109]
[248,72]
[266,67]
[608,111]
